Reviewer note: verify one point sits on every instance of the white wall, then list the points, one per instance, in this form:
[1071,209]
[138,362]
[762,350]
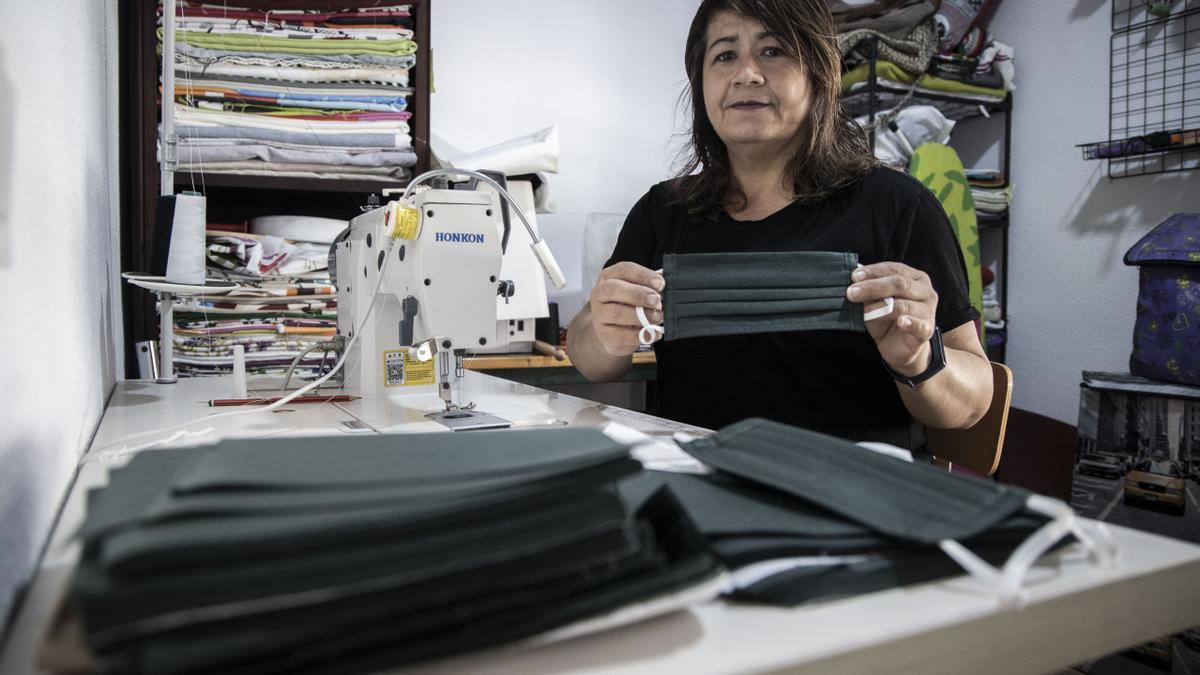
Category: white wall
[607,73]
[58,259]
[1071,298]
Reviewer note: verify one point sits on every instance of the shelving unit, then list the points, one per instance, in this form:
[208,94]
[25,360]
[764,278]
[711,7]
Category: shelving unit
[873,96]
[231,198]
[1154,91]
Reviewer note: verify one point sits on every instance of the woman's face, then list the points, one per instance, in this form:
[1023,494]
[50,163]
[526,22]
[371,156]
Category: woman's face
[756,96]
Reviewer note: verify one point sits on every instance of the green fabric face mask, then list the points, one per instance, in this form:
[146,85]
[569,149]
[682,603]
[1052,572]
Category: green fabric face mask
[743,293]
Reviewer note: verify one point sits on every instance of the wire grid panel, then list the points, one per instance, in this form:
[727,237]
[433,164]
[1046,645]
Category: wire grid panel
[1155,89]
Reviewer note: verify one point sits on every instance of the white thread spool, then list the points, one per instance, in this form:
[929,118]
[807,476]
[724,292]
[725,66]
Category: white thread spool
[239,371]
[185,262]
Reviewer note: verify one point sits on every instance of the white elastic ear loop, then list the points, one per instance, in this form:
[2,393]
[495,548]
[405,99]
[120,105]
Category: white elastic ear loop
[1009,580]
[649,332]
[879,312]
[888,305]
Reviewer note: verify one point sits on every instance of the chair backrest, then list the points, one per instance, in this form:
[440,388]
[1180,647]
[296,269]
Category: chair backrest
[978,448]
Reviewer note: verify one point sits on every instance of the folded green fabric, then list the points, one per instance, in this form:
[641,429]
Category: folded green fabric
[197,542]
[885,569]
[890,71]
[682,562]
[292,45]
[280,642]
[399,459]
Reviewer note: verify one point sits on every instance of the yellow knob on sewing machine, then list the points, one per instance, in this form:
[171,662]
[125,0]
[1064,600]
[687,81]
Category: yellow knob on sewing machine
[405,219]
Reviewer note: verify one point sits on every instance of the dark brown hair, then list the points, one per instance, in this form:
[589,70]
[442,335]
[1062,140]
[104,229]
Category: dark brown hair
[835,149]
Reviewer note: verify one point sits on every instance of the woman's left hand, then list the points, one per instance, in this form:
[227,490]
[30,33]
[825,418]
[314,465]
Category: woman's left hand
[902,336]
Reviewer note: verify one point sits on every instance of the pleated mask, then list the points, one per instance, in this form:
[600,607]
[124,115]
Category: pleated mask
[711,294]
[915,504]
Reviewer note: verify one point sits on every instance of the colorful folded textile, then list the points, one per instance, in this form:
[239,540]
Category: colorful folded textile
[332,58]
[257,167]
[200,153]
[291,71]
[895,76]
[199,9]
[233,134]
[395,124]
[227,26]
[313,44]
[259,256]
[188,83]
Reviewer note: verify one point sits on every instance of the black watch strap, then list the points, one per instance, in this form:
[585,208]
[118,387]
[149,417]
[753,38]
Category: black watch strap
[937,362]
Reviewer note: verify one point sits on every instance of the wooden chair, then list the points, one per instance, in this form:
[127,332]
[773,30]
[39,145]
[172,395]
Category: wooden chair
[978,448]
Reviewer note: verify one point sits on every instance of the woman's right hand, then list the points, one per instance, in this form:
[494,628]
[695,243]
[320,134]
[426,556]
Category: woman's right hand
[618,290]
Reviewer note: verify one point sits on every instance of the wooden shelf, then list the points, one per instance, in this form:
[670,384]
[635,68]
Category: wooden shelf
[539,371]
[509,361]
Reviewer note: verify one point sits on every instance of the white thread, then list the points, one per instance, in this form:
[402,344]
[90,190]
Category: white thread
[239,371]
[185,260]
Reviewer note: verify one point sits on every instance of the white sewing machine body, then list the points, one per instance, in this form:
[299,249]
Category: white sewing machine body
[440,285]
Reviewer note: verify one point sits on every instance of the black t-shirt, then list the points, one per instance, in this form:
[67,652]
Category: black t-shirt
[830,381]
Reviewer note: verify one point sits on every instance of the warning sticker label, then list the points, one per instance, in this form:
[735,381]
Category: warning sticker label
[402,370]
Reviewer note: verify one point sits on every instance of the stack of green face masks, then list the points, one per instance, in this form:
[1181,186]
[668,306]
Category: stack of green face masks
[352,554]
[836,519]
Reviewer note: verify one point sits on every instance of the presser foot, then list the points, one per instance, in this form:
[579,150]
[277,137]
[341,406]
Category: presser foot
[464,418]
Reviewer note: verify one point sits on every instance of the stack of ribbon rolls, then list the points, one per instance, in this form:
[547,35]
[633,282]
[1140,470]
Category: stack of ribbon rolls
[353,554]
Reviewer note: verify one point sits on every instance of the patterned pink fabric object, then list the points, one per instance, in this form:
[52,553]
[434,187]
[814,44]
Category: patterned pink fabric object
[955,17]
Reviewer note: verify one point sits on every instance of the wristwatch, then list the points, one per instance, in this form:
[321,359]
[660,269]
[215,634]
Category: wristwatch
[937,361]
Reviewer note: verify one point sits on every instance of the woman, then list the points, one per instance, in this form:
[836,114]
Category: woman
[776,166]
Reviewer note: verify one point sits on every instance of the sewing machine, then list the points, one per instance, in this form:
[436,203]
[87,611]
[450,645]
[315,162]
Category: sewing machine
[437,297]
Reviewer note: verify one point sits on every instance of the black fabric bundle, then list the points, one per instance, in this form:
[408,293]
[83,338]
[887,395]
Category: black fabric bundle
[349,554]
[784,492]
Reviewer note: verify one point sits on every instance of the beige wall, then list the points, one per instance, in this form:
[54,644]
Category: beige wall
[60,334]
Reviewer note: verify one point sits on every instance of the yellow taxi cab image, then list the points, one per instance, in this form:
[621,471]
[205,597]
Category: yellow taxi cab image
[1156,482]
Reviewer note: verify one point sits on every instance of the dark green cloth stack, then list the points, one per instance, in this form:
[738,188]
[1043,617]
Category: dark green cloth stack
[781,492]
[350,554]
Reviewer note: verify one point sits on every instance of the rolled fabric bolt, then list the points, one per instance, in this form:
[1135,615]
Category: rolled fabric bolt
[239,371]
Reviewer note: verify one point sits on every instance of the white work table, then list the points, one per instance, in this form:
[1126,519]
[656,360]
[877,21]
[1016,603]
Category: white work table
[1076,611]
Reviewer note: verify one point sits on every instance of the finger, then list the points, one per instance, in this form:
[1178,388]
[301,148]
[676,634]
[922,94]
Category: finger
[626,293]
[635,274]
[618,340]
[921,329]
[885,269]
[618,314]
[912,308]
[892,286]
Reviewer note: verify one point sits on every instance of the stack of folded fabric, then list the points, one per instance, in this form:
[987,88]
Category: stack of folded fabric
[992,194]
[923,44]
[294,93]
[354,554]
[285,306]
